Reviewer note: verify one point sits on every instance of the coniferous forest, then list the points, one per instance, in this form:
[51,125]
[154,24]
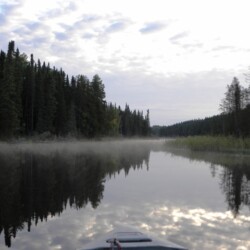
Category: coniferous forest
[234,119]
[36,99]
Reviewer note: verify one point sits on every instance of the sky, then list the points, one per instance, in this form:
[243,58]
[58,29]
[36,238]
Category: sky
[174,58]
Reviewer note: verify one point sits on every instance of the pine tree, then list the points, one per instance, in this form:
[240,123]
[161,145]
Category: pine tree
[39,101]
[29,97]
[2,63]
[20,66]
[61,112]
[9,122]
[83,106]
[147,121]
[233,103]
[98,106]
[126,121]
[113,120]
[49,100]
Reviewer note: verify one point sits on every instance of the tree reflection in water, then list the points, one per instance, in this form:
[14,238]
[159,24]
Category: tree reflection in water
[235,175]
[34,186]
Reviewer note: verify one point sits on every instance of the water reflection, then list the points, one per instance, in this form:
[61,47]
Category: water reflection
[74,193]
[37,185]
[234,177]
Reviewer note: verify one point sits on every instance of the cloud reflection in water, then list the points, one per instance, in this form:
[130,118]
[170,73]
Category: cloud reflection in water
[173,198]
[191,227]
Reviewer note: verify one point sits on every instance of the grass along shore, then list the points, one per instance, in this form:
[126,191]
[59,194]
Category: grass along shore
[212,144]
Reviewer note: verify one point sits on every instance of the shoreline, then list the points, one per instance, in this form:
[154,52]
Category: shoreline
[223,144]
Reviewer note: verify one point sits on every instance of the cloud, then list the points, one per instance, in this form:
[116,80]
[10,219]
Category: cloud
[170,99]
[86,20]
[32,26]
[54,13]
[59,11]
[192,45]
[8,6]
[2,18]
[88,35]
[152,27]
[62,36]
[175,39]
[86,39]
[178,40]
[222,47]
[116,26]
[72,6]
[6,9]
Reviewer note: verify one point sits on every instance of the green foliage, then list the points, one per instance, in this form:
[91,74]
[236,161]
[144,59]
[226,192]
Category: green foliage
[9,92]
[36,99]
[113,120]
[134,123]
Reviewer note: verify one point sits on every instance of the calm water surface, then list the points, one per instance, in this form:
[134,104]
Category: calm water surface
[63,195]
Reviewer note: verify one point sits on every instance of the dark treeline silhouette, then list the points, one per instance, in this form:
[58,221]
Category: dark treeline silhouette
[37,99]
[36,186]
[233,172]
[234,119]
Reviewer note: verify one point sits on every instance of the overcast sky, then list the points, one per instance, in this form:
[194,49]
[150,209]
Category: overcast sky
[173,57]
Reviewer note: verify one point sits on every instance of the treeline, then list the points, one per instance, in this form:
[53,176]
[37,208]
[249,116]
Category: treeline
[37,99]
[234,119]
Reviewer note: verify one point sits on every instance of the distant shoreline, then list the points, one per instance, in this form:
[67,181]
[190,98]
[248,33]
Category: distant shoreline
[225,144]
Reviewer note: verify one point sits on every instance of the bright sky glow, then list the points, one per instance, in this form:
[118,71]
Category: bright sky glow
[172,57]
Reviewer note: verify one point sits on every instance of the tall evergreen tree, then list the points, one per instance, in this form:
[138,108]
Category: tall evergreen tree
[49,100]
[83,106]
[98,106]
[20,67]
[234,98]
[29,97]
[70,93]
[61,112]
[8,109]
[234,102]
[39,101]
[113,120]
[2,63]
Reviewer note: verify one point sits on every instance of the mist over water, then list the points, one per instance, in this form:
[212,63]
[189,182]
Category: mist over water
[61,195]
[75,147]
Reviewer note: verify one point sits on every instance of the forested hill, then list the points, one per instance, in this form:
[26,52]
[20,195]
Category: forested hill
[37,99]
[234,119]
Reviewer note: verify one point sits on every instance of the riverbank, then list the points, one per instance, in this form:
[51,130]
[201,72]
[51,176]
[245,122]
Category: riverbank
[227,144]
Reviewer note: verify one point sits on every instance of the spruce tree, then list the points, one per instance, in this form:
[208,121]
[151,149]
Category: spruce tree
[39,101]
[233,103]
[2,63]
[29,97]
[61,112]
[19,69]
[98,106]
[49,100]
[9,122]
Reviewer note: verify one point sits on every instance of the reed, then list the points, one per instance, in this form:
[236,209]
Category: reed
[212,143]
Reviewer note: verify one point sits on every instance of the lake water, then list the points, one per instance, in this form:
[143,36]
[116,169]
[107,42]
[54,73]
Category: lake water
[63,195]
